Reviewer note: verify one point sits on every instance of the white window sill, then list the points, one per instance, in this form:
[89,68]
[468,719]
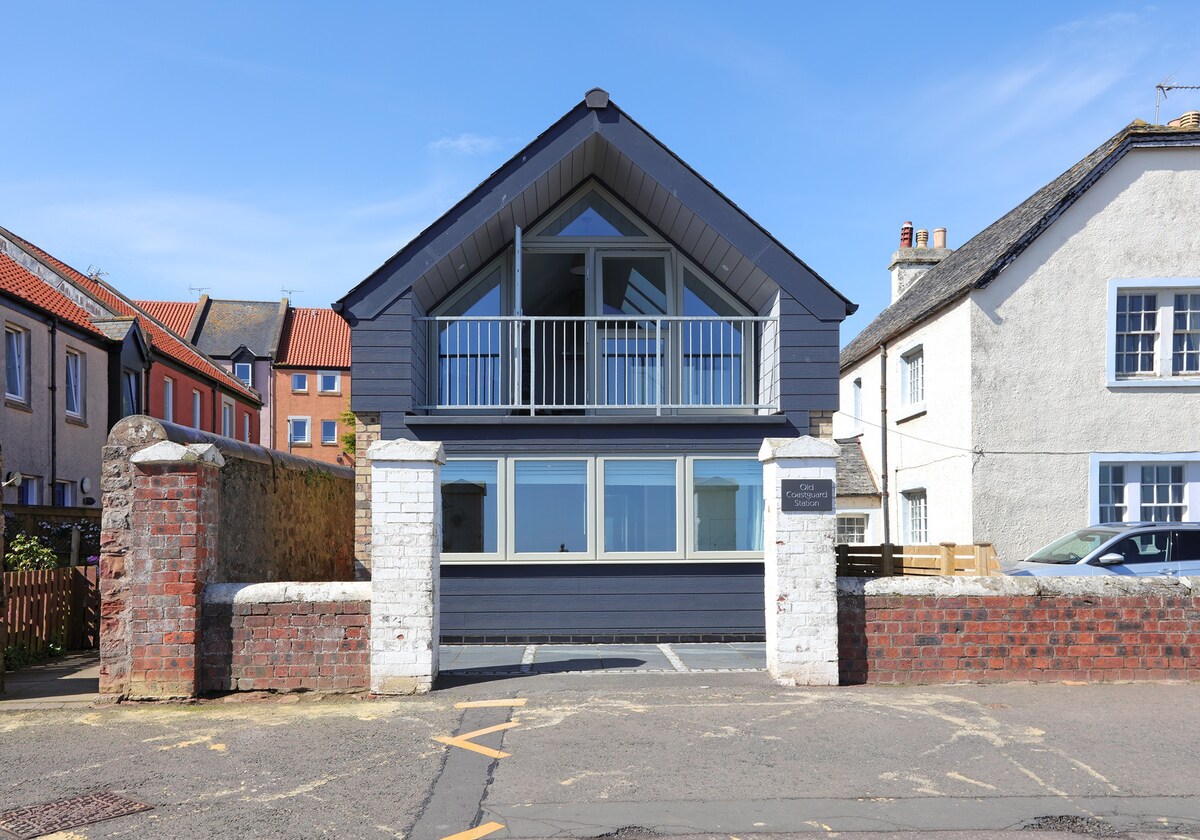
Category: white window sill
[910,412]
[1156,382]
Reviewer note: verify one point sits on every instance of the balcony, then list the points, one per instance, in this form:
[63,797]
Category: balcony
[603,364]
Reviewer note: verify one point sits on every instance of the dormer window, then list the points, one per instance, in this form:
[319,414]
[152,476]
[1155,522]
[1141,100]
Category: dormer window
[245,372]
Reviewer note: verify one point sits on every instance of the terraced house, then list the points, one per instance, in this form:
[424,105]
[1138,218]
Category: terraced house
[601,340]
[78,356]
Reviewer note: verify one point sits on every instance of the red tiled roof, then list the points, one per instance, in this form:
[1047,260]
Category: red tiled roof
[17,280]
[160,338]
[316,338]
[175,315]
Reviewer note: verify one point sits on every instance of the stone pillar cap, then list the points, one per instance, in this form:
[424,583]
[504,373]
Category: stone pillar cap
[169,452]
[407,450]
[775,449]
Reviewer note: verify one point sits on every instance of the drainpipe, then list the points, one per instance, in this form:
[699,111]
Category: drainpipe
[883,441]
[53,406]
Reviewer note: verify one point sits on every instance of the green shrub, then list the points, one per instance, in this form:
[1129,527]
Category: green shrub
[27,554]
[16,657]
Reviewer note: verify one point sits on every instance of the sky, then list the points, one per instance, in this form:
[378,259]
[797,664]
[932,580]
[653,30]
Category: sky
[253,147]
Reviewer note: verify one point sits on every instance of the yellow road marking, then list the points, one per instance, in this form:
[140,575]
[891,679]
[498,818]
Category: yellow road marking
[487,704]
[474,833]
[464,740]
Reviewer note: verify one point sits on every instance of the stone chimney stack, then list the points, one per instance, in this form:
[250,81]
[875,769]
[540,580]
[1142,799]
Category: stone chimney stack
[911,261]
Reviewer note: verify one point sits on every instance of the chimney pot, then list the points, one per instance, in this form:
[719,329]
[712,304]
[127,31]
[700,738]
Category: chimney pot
[906,233]
[939,237]
[922,238]
[1189,120]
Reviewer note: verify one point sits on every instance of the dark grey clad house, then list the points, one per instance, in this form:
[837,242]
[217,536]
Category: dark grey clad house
[601,340]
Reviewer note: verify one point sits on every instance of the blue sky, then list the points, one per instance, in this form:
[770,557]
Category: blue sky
[250,147]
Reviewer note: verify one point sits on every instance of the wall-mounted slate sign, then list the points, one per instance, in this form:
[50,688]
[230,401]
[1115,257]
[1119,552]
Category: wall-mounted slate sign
[807,495]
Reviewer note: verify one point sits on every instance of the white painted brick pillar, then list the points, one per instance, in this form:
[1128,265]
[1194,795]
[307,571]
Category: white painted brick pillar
[406,547]
[800,565]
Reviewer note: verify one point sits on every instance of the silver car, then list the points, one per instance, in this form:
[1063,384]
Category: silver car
[1141,549]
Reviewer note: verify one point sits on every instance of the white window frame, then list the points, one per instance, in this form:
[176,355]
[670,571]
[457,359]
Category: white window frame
[908,500]
[303,376]
[22,335]
[337,381]
[325,442]
[1166,289]
[31,486]
[307,441]
[246,427]
[856,389]
[248,381]
[197,412]
[1133,462]
[80,390]
[228,418]
[862,516]
[68,491]
[506,529]
[168,399]
[912,371]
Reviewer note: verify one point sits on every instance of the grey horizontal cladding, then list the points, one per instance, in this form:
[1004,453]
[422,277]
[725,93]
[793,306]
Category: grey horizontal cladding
[721,214]
[396,353]
[505,439]
[610,598]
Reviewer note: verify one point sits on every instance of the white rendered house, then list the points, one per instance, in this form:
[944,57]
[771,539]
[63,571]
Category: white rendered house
[1045,375]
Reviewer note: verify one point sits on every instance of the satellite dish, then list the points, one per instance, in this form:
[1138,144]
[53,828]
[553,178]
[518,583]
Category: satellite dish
[13,479]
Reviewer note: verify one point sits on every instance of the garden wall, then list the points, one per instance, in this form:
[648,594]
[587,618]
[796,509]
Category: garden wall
[286,637]
[944,630]
[184,509]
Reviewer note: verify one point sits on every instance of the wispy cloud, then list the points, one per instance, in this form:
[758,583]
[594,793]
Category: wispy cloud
[466,144]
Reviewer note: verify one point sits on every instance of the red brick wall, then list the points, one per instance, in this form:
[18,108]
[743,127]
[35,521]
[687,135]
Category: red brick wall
[288,646]
[912,639]
[185,384]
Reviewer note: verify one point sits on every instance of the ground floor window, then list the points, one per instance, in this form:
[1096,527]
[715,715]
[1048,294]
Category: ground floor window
[1144,488]
[915,508]
[602,507]
[851,528]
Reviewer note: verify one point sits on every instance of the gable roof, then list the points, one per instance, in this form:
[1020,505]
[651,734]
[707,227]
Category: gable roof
[984,256]
[19,282]
[175,315]
[315,338]
[596,139]
[225,325]
[161,339]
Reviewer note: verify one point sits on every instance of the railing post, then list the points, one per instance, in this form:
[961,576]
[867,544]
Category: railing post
[947,558]
[658,365]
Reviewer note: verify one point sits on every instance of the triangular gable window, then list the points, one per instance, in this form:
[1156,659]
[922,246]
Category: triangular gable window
[591,215]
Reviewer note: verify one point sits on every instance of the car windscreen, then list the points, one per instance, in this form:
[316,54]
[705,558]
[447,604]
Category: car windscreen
[1073,547]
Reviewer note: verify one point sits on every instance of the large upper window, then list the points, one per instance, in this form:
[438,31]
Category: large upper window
[912,369]
[74,392]
[589,508]
[1154,332]
[591,215]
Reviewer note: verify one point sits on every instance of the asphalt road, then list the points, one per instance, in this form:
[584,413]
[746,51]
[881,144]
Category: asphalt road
[704,755]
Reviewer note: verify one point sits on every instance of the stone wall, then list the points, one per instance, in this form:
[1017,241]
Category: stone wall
[946,630]
[366,430]
[286,637]
[183,509]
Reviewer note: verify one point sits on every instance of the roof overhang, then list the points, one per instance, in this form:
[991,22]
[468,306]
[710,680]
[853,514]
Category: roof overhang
[605,144]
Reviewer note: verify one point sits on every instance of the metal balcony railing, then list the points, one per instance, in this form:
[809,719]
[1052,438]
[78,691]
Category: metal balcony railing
[542,364]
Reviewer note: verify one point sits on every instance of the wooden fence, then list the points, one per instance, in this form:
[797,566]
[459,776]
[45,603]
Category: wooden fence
[889,560]
[55,606]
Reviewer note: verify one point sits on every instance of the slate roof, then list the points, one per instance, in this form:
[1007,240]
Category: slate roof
[161,339]
[175,315]
[854,477]
[21,283]
[226,325]
[983,257]
[314,338]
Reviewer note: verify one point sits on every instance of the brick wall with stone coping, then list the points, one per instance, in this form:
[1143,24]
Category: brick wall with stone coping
[286,637]
[945,630]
